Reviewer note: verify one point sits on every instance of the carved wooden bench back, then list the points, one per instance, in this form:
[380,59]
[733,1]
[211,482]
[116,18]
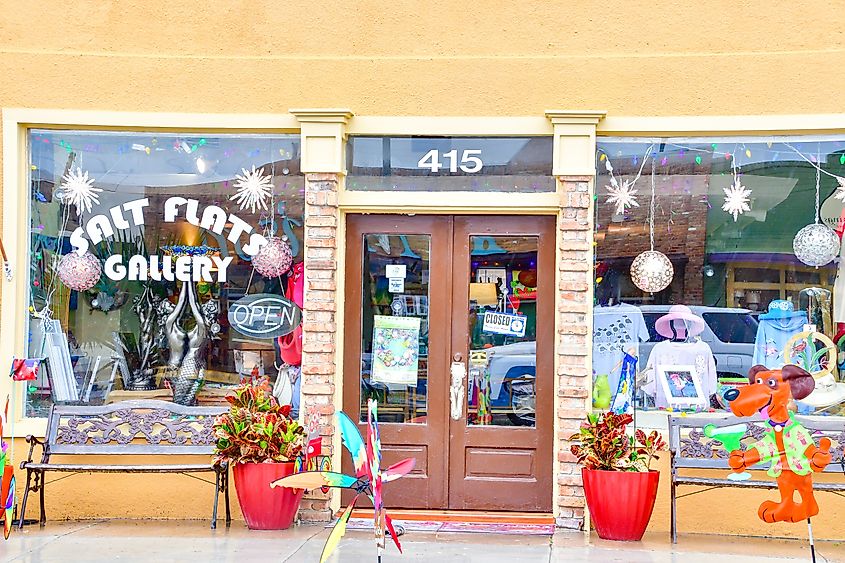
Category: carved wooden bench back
[131,428]
[692,449]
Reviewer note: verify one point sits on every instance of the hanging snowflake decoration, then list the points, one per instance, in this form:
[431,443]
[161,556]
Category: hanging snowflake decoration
[253,189]
[623,196]
[78,189]
[840,189]
[736,199]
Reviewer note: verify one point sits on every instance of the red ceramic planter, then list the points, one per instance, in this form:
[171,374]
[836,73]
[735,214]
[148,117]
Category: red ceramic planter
[620,502]
[265,508]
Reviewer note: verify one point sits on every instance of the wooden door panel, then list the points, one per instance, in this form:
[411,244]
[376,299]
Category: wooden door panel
[424,438]
[495,465]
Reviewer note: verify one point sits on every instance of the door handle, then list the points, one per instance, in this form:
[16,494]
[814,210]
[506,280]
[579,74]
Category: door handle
[457,391]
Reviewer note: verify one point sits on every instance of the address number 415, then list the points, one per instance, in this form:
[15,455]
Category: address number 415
[470,161]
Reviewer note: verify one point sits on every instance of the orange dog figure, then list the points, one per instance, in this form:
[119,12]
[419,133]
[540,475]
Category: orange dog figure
[788,445]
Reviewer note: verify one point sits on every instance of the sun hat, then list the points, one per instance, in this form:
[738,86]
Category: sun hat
[693,324]
[827,393]
[781,309]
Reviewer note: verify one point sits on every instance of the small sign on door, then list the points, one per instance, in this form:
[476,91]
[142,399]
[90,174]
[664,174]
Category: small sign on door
[504,323]
[396,285]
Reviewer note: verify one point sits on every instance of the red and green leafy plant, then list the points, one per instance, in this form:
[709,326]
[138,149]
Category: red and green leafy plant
[257,429]
[604,444]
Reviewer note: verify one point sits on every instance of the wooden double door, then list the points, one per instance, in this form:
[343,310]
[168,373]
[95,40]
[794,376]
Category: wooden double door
[449,326]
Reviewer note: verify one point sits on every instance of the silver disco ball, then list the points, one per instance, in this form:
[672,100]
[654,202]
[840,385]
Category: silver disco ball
[652,271]
[816,245]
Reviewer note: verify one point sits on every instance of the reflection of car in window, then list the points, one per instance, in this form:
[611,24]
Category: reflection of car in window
[512,372]
[729,332]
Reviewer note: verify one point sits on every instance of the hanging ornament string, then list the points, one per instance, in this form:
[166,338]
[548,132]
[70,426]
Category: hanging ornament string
[651,207]
[622,194]
[818,177]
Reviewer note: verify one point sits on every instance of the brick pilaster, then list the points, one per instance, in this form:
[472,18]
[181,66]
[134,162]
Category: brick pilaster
[575,286]
[319,311]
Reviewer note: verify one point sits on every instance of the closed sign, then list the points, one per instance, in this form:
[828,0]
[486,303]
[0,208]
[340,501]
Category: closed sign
[504,323]
[264,315]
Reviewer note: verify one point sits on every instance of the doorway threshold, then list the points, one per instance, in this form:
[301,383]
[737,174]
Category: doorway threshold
[462,516]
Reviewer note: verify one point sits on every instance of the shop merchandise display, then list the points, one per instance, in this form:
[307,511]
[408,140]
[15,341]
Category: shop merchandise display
[621,193]
[775,329]
[681,326]
[617,331]
[79,272]
[368,480]
[818,302]
[274,259]
[7,266]
[186,364]
[839,286]
[254,188]
[78,189]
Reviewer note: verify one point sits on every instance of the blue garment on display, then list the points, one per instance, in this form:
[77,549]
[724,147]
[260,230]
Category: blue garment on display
[772,336]
[623,398]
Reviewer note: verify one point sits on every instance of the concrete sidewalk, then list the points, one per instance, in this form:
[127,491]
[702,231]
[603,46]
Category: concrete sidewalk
[158,541]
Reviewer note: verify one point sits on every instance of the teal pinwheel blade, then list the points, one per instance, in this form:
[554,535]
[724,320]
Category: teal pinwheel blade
[353,442]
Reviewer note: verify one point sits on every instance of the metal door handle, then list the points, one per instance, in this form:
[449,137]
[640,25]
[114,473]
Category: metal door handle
[457,393]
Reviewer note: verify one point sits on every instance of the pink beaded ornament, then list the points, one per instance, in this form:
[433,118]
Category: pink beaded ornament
[79,272]
[274,259]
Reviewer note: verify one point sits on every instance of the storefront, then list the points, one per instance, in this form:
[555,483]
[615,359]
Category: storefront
[472,275]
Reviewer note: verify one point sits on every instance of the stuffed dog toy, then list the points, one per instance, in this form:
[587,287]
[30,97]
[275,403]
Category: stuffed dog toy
[788,445]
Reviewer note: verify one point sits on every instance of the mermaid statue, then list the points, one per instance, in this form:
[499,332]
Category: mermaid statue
[186,364]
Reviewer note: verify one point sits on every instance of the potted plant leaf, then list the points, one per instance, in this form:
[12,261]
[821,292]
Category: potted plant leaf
[261,442]
[619,484]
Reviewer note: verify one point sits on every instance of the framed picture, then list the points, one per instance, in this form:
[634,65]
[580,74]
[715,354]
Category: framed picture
[682,386]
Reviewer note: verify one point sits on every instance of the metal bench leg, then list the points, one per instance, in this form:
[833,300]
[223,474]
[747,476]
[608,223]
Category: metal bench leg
[25,497]
[43,519]
[226,491]
[216,496]
[673,527]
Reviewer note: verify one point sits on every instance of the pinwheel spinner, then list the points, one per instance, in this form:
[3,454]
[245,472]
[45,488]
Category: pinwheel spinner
[368,479]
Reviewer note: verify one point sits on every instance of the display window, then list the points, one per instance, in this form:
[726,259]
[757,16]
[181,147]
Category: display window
[712,256]
[162,266]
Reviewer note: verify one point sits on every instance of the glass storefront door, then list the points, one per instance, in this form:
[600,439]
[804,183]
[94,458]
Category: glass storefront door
[449,326]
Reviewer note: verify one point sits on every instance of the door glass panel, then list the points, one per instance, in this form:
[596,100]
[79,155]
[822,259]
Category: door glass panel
[502,330]
[394,331]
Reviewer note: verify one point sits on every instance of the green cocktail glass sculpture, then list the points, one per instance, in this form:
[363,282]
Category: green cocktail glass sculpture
[731,439]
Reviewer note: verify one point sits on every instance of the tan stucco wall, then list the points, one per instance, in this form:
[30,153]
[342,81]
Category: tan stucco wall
[438,58]
[397,58]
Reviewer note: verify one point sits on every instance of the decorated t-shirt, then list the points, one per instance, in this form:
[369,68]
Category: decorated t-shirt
[772,336]
[667,353]
[617,330]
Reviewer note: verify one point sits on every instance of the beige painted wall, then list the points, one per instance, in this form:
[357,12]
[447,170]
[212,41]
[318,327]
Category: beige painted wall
[435,58]
[630,58]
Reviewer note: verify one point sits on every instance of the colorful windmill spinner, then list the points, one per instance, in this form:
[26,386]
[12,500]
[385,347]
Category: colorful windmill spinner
[368,480]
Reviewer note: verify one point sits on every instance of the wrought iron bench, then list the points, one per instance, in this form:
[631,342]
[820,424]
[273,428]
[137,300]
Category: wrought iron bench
[693,454]
[153,429]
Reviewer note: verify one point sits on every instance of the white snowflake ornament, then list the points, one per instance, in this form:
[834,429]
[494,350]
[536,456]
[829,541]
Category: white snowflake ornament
[622,195]
[78,189]
[253,189]
[840,189]
[737,199]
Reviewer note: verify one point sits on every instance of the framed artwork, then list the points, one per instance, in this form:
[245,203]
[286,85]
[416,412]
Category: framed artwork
[682,386]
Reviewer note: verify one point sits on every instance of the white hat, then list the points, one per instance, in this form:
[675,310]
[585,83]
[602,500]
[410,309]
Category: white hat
[827,393]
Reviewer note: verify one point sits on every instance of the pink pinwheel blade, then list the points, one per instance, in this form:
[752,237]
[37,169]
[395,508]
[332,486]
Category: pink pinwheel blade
[397,470]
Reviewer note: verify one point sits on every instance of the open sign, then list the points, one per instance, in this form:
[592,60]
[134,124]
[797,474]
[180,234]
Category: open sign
[264,315]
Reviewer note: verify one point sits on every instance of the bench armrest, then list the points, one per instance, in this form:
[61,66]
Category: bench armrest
[34,441]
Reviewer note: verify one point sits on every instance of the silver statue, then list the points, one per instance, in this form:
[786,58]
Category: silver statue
[186,365]
[143,374]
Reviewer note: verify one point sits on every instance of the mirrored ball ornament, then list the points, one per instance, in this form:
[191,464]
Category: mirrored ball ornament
[79,272]
[274,259]
[816,245]
[652,271]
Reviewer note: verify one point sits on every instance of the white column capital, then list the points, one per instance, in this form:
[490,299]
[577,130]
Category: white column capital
[323,133]
[574,141]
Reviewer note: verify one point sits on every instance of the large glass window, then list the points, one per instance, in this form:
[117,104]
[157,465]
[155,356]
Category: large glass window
[173,221]
[743,291]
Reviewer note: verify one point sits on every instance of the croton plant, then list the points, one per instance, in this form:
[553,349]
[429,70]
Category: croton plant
[257,429]
[605,445]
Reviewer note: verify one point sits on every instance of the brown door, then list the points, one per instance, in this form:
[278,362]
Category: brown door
[449,325]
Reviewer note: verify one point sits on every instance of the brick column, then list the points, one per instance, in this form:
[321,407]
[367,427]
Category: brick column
[320,307]
[575,284]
